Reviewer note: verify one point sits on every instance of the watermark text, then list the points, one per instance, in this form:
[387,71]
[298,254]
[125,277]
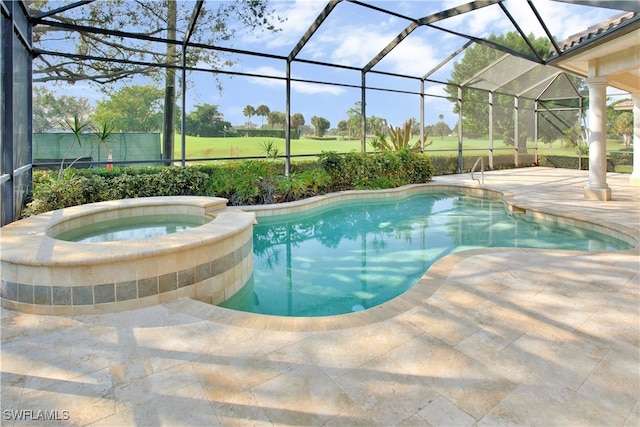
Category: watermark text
[35,415]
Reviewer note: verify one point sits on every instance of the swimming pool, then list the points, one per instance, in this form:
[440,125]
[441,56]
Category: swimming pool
[209,259]
[355,255]
[134,228]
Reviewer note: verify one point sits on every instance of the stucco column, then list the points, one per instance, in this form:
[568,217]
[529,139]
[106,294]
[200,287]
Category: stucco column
[597,189]
[635,175]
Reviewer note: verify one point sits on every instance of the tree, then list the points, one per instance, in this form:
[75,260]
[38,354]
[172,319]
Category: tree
[376,124]
[51,111]
[152,18]
[623,125]
[277,118]
[262,111]
[320,124]
[613,113]
[441,128]
[476,106]
[132,109]
[249,112]
[206,120]
[297,121]
[354,121]
[343,128]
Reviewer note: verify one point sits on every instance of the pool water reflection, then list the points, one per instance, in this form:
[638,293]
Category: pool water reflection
[357,255]
[133,228]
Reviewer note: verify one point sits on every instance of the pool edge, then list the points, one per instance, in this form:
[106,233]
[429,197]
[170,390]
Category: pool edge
[433,278]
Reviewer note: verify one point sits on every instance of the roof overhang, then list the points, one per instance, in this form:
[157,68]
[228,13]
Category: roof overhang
[614,54]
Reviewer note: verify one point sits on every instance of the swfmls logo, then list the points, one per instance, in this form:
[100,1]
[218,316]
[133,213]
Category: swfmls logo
[35,415]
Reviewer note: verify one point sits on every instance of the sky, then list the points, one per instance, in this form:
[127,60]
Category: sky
[352,36]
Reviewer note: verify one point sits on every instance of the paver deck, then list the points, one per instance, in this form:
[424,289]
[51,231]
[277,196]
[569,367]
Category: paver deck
[509,336]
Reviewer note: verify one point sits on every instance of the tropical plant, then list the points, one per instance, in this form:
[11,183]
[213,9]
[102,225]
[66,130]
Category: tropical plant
[270,149]
[98,136]
[399,139]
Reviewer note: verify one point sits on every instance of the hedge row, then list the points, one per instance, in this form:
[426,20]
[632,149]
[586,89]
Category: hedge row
[243,183]
[376,171]
[94,185]
[263,181]
[564,162]
[268,133]
[321,138]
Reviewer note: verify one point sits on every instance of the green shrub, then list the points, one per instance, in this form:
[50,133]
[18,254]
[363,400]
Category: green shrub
[320,138]
[301,185]
[445,165]
[242,183]
[51,193]
[377,170]
[623,157]
[268,133]
[79,187]
[245,183]
[564,162]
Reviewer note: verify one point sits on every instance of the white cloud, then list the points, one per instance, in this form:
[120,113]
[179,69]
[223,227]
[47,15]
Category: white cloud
[266,71]
[315,89]
[298,17]
[413,57]
[300,87]
[436,90]
[480,22]
[564,20]
[355,47]
[359,46]
[77,90]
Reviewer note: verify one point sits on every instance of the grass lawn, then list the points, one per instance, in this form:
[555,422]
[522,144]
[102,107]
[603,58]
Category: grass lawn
[246,147]
[197,147]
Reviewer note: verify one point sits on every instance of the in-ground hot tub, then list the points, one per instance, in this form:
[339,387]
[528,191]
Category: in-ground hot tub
[209,260]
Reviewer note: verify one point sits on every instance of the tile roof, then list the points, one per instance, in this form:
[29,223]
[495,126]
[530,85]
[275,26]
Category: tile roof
[594,31]
[624,105]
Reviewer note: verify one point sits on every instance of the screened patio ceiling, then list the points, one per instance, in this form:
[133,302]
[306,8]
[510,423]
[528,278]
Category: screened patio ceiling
[522,73]
[406,50]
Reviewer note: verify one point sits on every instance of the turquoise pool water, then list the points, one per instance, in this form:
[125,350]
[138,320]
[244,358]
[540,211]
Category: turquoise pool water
[133,228]
[355,256]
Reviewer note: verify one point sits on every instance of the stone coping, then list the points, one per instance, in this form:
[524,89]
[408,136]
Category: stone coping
[548,213]
[433,278]
[31,241]
[42,274]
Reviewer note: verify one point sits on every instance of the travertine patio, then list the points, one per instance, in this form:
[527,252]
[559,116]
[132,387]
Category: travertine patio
[503,337]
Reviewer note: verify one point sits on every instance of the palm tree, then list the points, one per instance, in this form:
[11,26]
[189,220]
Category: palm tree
[263,111]
[249,112]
